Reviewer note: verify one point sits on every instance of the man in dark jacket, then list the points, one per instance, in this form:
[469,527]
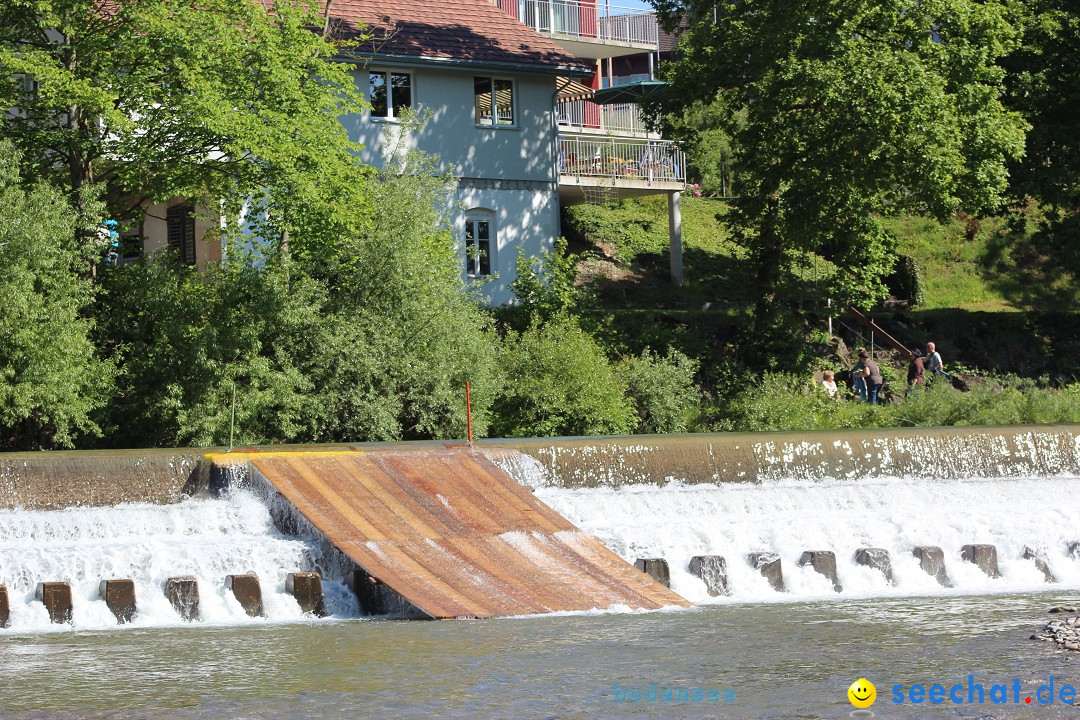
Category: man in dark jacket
[872,373]
[917,369]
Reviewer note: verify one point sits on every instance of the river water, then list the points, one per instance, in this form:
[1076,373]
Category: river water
[790,660]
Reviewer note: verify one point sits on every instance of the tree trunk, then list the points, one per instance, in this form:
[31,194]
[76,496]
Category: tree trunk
[769,258]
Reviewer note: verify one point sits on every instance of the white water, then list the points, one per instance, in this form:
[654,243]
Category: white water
[207,538]
[677,521]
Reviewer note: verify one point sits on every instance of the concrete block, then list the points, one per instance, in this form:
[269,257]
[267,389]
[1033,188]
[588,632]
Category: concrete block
[183,592]
[983,556]
[824,562]
[768,564]
[56,596]
[5,607]
[306,587]
[932,561]
[247,591]
[377,598]
[713,570]
[1040,563]
[656,568]
[878,559]
[119,595]
[1074,549]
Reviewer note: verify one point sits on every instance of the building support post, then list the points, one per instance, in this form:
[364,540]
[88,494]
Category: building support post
[675,238]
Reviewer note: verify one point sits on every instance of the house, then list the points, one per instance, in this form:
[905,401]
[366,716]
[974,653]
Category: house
[510,92]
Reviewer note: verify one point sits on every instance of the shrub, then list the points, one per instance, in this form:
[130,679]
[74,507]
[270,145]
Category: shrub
[662,389]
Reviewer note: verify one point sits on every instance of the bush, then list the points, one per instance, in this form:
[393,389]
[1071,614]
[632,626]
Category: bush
[559,382]
[663,391]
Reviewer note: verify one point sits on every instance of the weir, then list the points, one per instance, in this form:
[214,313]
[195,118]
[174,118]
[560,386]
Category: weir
[428,531]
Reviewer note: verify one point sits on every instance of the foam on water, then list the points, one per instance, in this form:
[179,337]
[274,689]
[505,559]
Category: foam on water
[207,538]
[678,521]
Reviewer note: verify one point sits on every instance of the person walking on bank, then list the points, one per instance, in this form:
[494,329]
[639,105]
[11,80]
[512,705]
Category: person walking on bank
[917,369]
[933,362]
[872,375]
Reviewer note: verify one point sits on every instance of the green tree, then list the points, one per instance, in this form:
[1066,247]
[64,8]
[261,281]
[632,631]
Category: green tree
[50,378]
[153,99]
[840,112]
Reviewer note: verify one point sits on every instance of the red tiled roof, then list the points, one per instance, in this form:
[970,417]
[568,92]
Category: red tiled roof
[473,31]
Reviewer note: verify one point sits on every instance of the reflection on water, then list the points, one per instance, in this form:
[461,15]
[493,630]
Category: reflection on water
[782,661]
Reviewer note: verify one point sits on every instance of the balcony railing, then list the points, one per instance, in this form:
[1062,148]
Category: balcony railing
[649,160]
[586,115]
[586,20]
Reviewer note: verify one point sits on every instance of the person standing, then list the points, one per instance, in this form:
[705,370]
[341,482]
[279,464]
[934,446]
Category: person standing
[872,375]
[858,381]
[917,369]
[933,361]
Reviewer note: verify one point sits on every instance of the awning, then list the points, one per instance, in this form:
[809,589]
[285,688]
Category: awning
[571,90]
[629,93]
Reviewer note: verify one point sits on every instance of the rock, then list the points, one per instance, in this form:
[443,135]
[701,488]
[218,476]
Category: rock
[1040,564]
[768,564]
[932,561]
[119,596]
[1061,609]
[245,588]
[1074,550]
[712,569]
[824,562]
[982,556]
[657,568]
[877,558]
[183,592]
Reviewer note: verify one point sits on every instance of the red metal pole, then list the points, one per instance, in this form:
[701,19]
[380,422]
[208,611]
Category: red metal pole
[468,410]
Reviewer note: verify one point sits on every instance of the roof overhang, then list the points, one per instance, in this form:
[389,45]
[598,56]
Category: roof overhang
[578,71]
[571,90]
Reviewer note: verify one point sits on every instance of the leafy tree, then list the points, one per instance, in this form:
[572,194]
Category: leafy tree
[840,112]
[663,391]
[50,379]
[154,99]
[545,285]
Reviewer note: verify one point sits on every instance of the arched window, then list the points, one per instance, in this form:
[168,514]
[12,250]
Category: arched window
[479,242]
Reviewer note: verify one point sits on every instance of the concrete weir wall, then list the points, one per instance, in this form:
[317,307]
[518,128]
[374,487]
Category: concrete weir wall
[754,457]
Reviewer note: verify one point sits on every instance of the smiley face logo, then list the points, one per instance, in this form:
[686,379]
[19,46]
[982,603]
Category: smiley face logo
[862,693]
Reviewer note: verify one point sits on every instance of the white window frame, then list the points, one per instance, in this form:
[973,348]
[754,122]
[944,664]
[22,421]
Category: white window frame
[390,116]
[471,241]
[491,122]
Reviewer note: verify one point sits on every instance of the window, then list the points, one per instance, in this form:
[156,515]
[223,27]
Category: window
[499,111]
[390,93]
[479,238]
[181,224]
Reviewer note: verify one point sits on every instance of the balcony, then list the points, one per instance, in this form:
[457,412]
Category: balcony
[636,166]
[588,117]
[587,29]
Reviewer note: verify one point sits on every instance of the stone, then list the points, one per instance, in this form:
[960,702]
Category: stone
[768,564]
[245,588]
[5,607]
[377,598]
[932,561]
[119,595]
[824,562]
[56,596]
[878,559]
[183,592]
[712,569]
[1074,550]
[656,568]
[306,587]
[982,556]
[1061,609]
[1040,564]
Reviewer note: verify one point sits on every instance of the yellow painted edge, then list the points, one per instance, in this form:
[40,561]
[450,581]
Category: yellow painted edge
[228,457]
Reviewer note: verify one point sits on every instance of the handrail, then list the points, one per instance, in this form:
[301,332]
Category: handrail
[597,156]
[873,326]
[586,20]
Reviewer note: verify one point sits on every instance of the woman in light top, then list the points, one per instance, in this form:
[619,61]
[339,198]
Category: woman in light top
[829,382]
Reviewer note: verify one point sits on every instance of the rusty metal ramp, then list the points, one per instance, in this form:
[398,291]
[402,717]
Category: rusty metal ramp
[454,535]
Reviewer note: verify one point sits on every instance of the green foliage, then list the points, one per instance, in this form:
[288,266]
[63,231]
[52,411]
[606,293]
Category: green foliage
[906,281]
[558,382]
[50,378]
[546,287]
[663,391]
[851,112]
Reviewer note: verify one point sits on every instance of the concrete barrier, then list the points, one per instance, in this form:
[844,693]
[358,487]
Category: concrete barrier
[183,592]
[5,607]
[245,588]
[878,559]
[932,561]
[1074,550]
[768,564]
[824,562]
[56,596]
[306,587]
[119,595]
[656,568]
[712,569]
[982,556]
